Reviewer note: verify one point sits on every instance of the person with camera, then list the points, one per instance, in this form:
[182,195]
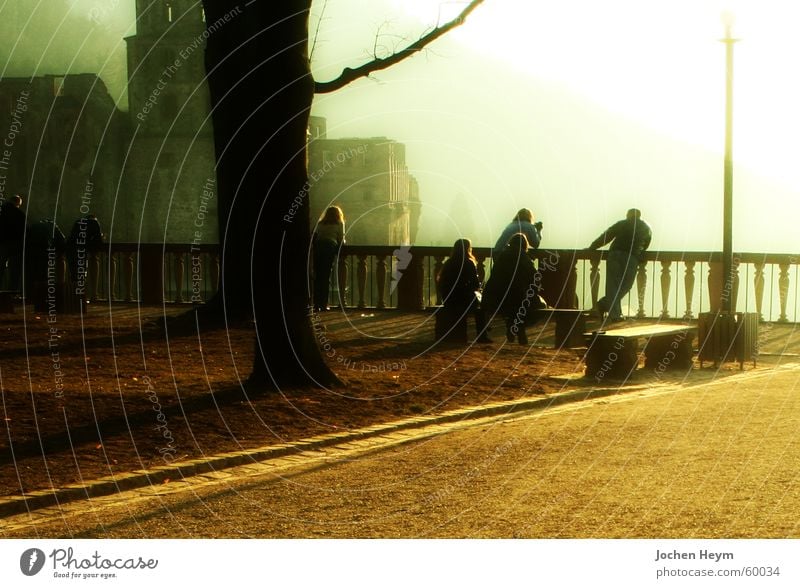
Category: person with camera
[511,290]
[521,223]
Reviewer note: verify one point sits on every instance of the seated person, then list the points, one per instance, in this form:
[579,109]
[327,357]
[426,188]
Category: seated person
[458,285]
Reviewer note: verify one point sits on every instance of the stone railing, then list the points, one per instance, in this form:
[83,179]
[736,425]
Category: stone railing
[669,284]
[683,284]
[152,273]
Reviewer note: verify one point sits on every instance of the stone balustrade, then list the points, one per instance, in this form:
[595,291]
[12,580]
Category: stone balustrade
[669,284]
[152,274]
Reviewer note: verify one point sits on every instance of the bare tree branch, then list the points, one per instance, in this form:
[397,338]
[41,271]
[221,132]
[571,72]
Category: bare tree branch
[316,31]
[351,74]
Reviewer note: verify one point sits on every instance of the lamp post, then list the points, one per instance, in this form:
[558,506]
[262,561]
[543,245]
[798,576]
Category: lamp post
[727,206]
[722,332]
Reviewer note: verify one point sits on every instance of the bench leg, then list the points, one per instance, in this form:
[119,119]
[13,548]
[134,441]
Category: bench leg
[672,352]
[569,329]
[609,358]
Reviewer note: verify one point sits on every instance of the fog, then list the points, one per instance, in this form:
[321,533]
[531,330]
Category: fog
[576,111]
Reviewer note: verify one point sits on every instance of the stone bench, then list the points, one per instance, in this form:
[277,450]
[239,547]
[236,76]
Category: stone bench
[614,353]
[570,324]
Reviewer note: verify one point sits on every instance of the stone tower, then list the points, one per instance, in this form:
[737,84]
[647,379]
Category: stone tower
[170,192]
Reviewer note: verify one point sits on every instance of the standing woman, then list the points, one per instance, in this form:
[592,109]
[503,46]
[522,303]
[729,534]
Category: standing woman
[328,237]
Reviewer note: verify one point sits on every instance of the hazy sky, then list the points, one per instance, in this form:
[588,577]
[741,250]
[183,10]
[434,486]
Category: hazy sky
[581,109]
[577,109]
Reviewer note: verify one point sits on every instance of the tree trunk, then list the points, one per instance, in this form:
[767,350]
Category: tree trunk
[261,93]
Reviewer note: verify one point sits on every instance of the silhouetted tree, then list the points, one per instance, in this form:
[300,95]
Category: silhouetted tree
[261,93]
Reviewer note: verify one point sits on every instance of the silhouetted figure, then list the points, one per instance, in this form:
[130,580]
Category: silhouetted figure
[521,223]
[512,288]
[629,239]
[44,271]
[328,238]
[459,289]
[86,240]
[12,235]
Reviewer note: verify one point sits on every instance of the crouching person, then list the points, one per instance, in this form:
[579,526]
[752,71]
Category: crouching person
[511,289]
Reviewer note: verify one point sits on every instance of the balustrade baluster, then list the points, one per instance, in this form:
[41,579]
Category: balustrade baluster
[93,277]
[437,269]
[594,278]
[783,290]
[380,279]
[128,270]
[666,281]
[215,273]
[641,288]
[342,281]
[197,267]
[758,286]
[112,277]
[179,269]
[688,288]
[361,278]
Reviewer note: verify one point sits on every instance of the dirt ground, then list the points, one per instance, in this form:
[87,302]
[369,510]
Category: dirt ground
[120,390]
[123,388]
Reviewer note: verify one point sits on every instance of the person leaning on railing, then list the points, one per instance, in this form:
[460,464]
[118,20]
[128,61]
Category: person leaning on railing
[521,223]
[629,239]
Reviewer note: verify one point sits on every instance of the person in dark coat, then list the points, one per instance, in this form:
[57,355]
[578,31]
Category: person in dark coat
[12,235]
[44,248]
[459,287]
[512,288]
[629,239]
[328,240]
[86,240]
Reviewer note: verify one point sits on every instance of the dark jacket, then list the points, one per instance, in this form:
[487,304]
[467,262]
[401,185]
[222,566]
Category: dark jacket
[43,243]
[458,282]
[12,224]
[629,235]
[86,234]
[511,284]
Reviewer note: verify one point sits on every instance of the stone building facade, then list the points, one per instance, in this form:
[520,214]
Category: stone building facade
[369,179]
[62,143]
[169,173]
[149,174]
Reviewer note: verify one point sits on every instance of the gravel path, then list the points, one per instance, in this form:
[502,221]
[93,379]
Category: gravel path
[712,460]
